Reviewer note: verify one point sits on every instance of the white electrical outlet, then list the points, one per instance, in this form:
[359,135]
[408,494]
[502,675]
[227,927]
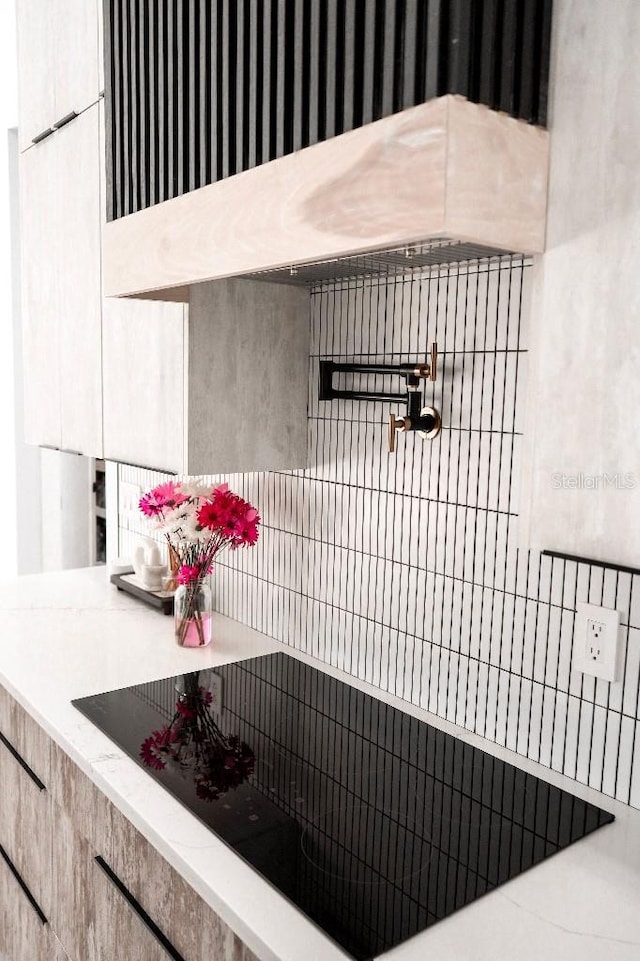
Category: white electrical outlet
[129,496]
[596,647]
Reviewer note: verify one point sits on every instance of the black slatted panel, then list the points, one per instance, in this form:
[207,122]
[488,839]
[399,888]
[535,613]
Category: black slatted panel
[200,91]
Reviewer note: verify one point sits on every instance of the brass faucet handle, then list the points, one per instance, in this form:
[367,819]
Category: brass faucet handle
[396,424]
[433,366]
[428,371]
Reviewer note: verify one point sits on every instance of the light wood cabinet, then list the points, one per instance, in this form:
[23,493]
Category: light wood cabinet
[58,62]
[77,255]
[36,56]
[61,284]
[77,37]
[223,389]
[143,377]
[40,315]
[25,822]
[24,936]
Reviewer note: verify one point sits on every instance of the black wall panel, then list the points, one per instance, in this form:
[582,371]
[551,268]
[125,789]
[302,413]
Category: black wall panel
[199,90]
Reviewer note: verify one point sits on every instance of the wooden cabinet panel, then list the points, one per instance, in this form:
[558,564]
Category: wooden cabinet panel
[24,936]
[62,321]
[143,376]
[76,33]
[26,735]
[59,61]
[25,823]
[40,314]
[36,68]
[87,807]
[190,925]
[74,907]
[225,390]
[94,825]
[248,376]
[77,256]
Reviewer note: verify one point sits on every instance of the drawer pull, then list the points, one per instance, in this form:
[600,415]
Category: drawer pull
[65,120]
[30,898]
[140,911]
[23,764]
[42,136]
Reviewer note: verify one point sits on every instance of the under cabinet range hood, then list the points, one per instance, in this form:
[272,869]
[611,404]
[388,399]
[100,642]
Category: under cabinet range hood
[373,823]
[444,170]
[243,138]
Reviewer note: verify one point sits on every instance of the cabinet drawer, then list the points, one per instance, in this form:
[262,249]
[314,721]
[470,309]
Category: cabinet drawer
[95,827]
[189,923]
[92,913]
[25,822]
[30,741]
[83,803]
[24,933]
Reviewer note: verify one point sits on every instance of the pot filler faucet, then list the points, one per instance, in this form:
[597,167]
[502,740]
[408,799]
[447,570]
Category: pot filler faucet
[425,420]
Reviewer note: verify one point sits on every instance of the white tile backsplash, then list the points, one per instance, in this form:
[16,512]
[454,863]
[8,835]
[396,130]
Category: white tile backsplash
[404,569]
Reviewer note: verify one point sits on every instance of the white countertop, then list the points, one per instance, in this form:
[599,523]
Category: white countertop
[71,634]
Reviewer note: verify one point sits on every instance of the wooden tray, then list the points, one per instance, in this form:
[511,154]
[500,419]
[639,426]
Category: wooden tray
[127,582]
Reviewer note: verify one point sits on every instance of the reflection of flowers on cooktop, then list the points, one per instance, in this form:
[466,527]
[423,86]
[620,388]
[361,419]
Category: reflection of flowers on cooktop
[193,745]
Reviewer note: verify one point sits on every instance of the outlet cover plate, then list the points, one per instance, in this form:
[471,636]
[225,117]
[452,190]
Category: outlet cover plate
[596,641]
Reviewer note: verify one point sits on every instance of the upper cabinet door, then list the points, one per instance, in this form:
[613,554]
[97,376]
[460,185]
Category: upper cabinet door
[40,313]
[143,343]
[36,68]
[77,72]
[59,59]
[77,260]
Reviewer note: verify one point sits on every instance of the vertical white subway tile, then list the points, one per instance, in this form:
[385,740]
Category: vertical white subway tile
[517,632]
[571,737]
[634,790]
[559,731]
[634,613]
[534,734]
[513,704]
[625,758]
[610,760]
[566,649]
[596,585]
[547,725]
[597,747]
[631,680]
[586,721]
[482,698]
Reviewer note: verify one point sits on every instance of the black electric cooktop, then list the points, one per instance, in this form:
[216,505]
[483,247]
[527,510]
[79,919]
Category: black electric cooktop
[376,825]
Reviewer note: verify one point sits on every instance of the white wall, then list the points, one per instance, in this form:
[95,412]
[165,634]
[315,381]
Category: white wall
[27,458]
[8,118]
[584,397]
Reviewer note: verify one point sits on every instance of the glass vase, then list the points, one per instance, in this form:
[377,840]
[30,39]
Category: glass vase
[192,614]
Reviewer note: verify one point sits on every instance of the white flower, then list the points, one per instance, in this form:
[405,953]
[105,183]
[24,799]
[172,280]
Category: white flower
[191,530]
[174,519]
[196,487]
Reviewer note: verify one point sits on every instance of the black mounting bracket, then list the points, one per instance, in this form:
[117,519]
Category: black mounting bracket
[413,373]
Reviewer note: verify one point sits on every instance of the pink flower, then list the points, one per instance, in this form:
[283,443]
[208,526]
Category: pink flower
[228,514]
[164,495]
[248,534]
[188,573]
